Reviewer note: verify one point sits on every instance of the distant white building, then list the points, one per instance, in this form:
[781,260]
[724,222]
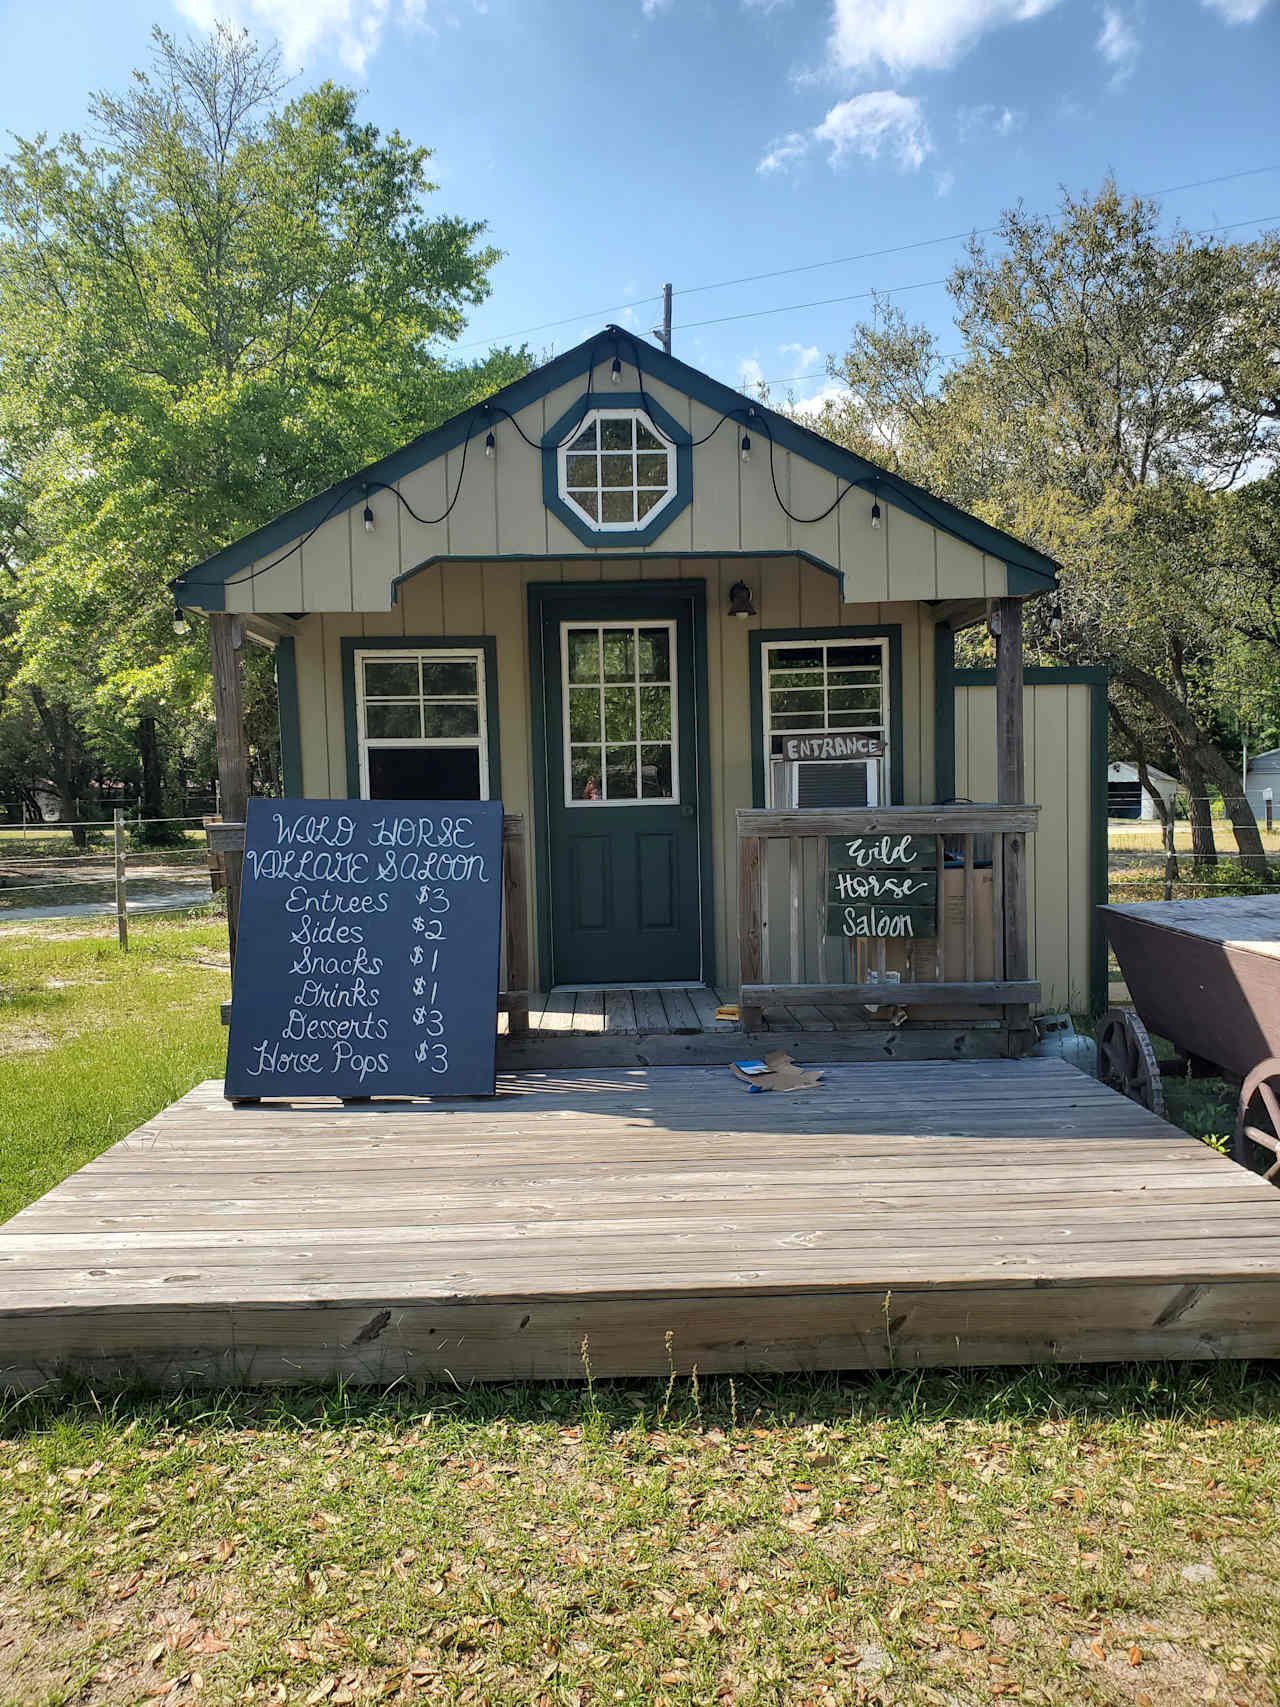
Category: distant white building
[1263,773]
[1126,797]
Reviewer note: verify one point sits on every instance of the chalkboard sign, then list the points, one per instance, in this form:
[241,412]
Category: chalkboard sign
[882,887]
[367,962]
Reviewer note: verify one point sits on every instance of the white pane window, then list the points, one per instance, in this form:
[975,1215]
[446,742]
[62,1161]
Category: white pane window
[420,719]
[617,469]
[826,703]
[619,711]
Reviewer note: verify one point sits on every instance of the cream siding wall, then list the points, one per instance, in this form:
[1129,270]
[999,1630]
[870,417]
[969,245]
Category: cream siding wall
[490,598]
[1057,731]
[499,512]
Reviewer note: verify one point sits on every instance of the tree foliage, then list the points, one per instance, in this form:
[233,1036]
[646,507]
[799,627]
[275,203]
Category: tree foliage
[216,304]
[1115,405]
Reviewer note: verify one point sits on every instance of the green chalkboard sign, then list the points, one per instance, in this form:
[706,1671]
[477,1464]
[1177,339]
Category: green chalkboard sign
[882,853]
[869,921]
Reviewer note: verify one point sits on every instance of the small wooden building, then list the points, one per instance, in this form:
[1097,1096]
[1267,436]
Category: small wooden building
[687,641]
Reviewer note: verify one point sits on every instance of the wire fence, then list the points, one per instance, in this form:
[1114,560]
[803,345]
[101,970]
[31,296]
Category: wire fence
[65,878]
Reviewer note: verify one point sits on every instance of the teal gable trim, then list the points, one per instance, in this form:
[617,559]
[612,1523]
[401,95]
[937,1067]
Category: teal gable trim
[761,637]
[1030,571]
[595,557]
[354,643]
[944,716]
[290,725]
[1096,679]
[560,431]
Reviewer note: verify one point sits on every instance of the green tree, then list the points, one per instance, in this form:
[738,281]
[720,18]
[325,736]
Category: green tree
[1116,383]
[224,302]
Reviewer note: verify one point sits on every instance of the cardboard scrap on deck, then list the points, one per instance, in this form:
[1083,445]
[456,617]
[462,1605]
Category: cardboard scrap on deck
[780,1073]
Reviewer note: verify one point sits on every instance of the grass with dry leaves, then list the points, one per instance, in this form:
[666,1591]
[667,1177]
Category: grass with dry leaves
[1065,1536]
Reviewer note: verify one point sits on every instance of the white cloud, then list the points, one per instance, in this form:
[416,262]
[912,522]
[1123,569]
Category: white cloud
[785,152]
[750,374]
[881,121]
[1118,42]
[1237,11]
[1000,121]
[651,8]
[919,35]
[944,182]
[350,29]
[813,406]
[763,5]
[805,354]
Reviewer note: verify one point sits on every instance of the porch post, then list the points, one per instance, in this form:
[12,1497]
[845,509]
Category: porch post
[1010,784]
[226,637]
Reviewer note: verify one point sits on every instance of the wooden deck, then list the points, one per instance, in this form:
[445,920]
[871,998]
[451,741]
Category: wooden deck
[902,1214]
[638,1026]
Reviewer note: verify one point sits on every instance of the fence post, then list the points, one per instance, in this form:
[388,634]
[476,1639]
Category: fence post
[122,893]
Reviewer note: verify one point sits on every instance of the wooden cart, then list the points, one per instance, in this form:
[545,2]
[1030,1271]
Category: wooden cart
[1206,976]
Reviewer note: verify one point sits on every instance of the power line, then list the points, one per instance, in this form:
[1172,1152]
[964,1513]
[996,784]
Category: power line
[835,261]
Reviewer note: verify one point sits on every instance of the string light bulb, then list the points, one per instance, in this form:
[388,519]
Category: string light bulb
[615,371]
[875,513]
[180,623]
[368,518]
[490,443]
[1055,617]
[746,447]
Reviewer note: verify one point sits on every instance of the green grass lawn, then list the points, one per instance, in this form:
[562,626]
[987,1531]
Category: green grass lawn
[1073,1536]
[93,1041]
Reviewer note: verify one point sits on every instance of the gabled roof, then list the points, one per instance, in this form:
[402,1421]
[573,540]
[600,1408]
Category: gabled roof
[1030,571]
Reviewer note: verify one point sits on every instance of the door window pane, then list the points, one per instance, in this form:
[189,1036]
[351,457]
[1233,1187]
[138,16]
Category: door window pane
[584,654]
[619,713]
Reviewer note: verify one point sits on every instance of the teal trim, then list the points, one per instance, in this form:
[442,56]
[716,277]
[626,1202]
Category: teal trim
[354,643]
[1095,678]
[761,637]
[290,724]
[562,596]
[944,713]
[555,437]
[1030,571]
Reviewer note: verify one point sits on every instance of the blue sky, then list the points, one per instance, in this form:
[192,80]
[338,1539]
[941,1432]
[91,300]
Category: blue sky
[614,144]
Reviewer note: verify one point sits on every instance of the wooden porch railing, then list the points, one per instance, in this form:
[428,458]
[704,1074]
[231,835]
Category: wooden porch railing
[973,952]
[226,867]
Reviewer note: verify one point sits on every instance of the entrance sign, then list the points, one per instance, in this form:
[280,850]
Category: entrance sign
[367,962]
[882,887]
[810,747]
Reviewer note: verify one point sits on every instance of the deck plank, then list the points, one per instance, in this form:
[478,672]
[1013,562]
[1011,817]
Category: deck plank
[899,1213]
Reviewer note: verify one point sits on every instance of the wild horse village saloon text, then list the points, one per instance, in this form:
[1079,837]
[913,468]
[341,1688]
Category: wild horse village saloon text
[882,886]
[368,957]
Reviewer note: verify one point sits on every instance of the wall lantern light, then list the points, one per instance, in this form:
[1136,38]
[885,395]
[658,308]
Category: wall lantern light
[740,600]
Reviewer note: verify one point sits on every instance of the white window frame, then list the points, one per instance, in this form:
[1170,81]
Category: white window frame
[422,654]
[672,799]
[564,452]
[881,768]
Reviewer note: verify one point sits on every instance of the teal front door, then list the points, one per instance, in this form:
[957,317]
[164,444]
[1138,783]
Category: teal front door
[623,817]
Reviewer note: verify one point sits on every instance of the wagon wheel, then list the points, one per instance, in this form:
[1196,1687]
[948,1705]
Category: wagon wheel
[1258,1114]
[1126,1060]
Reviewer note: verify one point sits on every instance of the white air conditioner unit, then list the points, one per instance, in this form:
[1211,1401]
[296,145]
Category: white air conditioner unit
[839,782]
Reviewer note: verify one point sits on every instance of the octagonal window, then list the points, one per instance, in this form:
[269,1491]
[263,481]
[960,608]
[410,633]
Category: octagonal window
[617,469]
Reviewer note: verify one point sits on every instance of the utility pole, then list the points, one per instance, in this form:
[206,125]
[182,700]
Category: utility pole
[663,333]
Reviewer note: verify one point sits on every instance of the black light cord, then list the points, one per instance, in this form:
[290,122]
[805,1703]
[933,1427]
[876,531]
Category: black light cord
[746,413]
